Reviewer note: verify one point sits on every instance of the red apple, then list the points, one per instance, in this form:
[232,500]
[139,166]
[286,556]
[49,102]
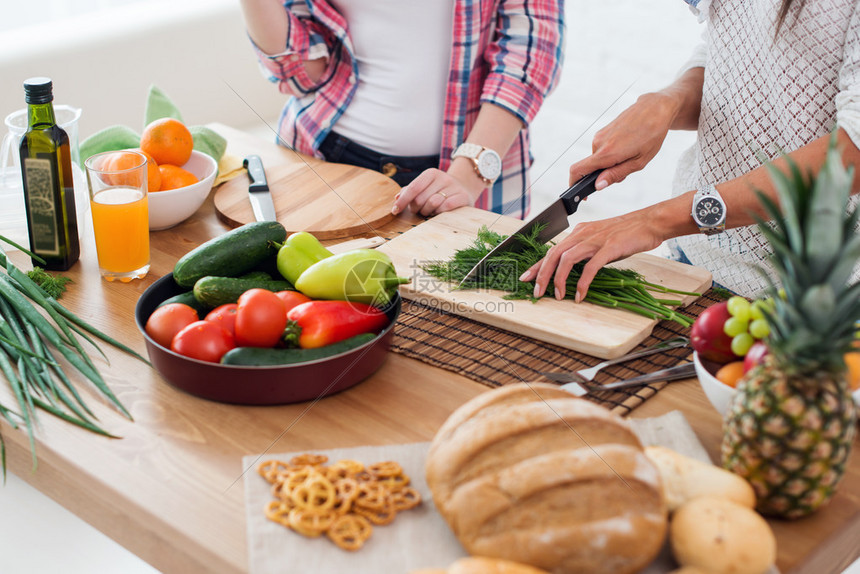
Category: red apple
[755,355]
[708,338]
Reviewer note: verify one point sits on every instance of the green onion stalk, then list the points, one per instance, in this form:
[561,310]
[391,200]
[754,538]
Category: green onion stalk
[611,287]
[35,330]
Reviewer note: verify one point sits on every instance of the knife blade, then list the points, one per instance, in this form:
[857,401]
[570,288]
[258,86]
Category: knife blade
[554,219]
[258,190]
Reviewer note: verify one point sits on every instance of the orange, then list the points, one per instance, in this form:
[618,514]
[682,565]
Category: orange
[121,161]
[731,373]
[852,361]
[168,141]
[174,177]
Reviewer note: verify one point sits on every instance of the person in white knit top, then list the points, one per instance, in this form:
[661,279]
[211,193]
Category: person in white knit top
[772,76]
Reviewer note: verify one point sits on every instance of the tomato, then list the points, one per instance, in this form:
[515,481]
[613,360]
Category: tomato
[292,299]
[203,340]
[260,319]
[168,320]
[224,315]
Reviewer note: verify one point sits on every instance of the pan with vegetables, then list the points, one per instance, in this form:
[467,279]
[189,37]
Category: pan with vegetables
[222,329]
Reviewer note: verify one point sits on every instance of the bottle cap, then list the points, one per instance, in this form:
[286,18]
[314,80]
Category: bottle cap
[38,91]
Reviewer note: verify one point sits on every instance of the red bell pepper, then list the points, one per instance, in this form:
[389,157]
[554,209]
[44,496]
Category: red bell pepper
[326,322]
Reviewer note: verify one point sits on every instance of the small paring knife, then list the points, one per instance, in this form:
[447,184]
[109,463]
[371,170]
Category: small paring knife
[258,190]
[553,218]
[682,371]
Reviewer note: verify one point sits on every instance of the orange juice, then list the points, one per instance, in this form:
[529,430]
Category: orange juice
[121,227]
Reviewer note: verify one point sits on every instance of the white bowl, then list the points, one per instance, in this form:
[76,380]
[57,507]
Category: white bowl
[719,393]
[173,206]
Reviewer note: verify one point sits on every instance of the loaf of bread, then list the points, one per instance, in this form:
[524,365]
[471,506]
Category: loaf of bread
[531,474]
[721,537]
[685,478]
[483,565]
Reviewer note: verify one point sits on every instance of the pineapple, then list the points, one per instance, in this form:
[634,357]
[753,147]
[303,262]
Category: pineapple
[791,423]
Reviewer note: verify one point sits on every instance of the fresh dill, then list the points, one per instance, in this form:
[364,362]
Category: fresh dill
[53,285]
[611,287]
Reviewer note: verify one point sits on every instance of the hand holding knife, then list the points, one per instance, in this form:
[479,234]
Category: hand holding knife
[554,219]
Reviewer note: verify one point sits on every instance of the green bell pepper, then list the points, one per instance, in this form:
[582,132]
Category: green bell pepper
[360,275]
[297,253]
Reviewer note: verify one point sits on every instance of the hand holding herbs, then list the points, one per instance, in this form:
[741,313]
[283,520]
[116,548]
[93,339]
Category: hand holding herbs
[618,288]
[34,330]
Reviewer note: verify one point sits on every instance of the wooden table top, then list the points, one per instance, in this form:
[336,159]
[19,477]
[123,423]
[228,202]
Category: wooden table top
[171,491]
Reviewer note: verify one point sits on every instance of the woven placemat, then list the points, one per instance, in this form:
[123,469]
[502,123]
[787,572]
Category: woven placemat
[496,357]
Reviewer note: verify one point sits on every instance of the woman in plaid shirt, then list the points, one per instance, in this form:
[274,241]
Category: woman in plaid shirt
[399,85]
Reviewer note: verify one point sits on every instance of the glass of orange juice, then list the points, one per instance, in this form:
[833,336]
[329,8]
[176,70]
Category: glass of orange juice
[118,203]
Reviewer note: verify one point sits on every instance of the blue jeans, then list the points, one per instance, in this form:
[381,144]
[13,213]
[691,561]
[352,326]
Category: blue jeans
[402,169]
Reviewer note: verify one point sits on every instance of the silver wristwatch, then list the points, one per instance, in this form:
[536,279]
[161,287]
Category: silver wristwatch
[488,164]
[709,210]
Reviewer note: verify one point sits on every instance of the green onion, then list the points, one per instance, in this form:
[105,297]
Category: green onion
[33,326]
[611,287]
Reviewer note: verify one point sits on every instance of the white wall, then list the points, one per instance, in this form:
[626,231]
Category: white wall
[104,61]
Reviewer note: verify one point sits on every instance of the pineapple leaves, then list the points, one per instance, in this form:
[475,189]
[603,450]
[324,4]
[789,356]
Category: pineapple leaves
[824,229]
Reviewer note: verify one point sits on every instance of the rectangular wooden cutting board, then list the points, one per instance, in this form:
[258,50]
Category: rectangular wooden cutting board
[591,329]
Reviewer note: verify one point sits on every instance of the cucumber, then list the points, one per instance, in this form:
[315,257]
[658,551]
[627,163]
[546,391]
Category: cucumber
[231,254]
[259,357]
[188,298]
[214,291]
[256,275]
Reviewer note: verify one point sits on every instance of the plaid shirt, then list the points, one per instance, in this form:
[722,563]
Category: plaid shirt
[505,52]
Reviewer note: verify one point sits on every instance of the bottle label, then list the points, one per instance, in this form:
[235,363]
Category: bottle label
[42,208]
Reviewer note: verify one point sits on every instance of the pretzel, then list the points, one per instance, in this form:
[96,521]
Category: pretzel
[405,498]
[271,469]
[372,496]
[342,500]
[351,466]
[350,532]
[395,483]
[277,512]
[385,469]
[309,459]
[310,523]
[379,516]
[315,494]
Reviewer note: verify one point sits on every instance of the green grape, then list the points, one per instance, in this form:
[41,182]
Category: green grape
[742,343]
[739,307]
[759,328]
[734,326]
[756,309]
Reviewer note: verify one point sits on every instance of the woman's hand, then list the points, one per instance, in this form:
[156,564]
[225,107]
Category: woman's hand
[629,142]
[432,192]
[600,242]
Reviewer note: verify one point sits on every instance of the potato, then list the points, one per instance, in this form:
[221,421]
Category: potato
[686,478]
[721,537]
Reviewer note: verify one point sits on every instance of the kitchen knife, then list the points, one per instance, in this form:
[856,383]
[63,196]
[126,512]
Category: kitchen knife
[258,190]
[554,219]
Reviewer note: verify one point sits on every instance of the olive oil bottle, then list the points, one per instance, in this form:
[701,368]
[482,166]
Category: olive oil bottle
[46,168]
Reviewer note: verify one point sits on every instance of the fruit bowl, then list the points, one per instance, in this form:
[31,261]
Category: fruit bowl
[173,206]
[719,393]
[267,385]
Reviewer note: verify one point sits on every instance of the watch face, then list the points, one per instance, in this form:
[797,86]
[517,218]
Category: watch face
[709,212]
[490,164]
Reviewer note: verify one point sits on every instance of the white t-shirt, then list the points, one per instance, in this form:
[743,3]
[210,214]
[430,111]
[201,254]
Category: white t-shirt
[403,48]
[765,97]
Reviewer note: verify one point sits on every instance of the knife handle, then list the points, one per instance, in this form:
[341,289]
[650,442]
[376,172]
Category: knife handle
[579,191]
[254,165]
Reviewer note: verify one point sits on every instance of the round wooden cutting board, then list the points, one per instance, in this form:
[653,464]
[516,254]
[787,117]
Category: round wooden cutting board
[329,200]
